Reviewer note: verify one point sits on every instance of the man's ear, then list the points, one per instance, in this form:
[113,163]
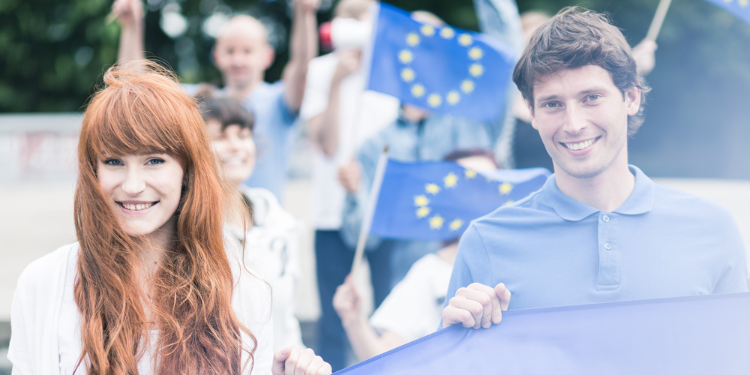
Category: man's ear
[270,54]
[531,113]
[633,100]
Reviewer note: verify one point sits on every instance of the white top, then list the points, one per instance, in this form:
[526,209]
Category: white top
[45,321]
[377,111]
[414,307]
[272,248]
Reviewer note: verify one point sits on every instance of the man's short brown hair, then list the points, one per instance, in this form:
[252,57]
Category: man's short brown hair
[576,38]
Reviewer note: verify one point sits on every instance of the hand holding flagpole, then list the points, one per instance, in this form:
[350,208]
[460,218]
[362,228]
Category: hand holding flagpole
[372,203]
[661,13]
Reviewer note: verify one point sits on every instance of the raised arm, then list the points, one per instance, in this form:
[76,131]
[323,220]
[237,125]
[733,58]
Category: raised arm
[303,47]
[130,15]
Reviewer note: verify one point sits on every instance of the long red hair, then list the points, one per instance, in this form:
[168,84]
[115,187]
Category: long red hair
[141,110]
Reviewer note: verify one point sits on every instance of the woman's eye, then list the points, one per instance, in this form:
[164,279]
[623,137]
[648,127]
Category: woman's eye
[112,162]
[155,161]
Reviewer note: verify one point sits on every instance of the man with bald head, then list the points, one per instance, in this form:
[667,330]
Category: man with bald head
[242,55]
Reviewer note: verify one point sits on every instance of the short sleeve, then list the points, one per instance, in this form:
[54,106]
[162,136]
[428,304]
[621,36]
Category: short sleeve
[734,278]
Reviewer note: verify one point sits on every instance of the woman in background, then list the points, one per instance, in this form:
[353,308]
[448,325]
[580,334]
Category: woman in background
[152,286]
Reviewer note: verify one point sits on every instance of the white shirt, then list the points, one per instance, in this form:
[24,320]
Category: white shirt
[362,113]
[45,322]
[272,249]
[414,307]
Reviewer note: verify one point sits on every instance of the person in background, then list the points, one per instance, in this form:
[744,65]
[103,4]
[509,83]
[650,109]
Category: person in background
[340,114]
[521,138]
[271,235]
[153,285]
[242,55]
[414,307]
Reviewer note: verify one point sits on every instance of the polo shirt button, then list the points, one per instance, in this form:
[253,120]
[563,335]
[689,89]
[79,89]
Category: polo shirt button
[605,218]
[607,246]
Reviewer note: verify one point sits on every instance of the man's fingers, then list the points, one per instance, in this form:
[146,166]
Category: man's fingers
[453,315]
[483,299]
[472,307]
[504,298]
[303,363]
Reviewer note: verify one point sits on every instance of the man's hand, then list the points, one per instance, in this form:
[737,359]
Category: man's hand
[128,12]
[349,61]
[346,302]
[298,361]
[644,56]
[477,306]
[349,175]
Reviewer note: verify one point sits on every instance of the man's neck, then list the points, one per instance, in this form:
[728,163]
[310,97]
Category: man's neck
[606,191]
[240,91]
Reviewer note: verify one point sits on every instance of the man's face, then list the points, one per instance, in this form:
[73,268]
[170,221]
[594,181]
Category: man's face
[242,54]
[582,118]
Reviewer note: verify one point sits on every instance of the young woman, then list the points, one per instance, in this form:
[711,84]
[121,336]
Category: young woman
[152,286]
[270,234]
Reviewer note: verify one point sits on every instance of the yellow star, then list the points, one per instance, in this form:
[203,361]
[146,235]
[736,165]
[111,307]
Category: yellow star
[470,174]
[432,188]
[421,201]
[453,97]
[407,74]
[427,30]
[476,70]
[467,86]
[405,56]
[505,188]
[476,53]
[436,222]
[456,224]
[412,39]
[422,212]
[447,32]
[743,3]
[434,100]
[450,180]
[464,40]
[508,202]
[417,90]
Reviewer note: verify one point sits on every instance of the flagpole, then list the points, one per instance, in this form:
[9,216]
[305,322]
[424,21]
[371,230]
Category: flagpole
[661,13]
[372,203]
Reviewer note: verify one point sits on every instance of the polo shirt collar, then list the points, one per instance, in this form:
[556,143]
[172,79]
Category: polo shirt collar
[640,201]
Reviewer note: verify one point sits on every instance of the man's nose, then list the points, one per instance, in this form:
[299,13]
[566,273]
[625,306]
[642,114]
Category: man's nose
[134,182]
[575,120]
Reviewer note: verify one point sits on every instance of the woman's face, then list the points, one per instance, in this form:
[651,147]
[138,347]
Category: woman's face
[142,190]
[235,150]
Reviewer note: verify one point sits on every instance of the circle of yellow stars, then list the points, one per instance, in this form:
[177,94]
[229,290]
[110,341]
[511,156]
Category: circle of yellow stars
[418,90]
[436,222]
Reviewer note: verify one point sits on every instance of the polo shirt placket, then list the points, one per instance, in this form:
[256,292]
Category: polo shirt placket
[609,252]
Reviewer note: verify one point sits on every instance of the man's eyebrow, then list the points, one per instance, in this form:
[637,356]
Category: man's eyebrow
[548,97]
[592,90]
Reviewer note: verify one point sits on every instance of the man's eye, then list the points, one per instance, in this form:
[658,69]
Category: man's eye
[551,105]
[594,97]
[112,161]
[155,161]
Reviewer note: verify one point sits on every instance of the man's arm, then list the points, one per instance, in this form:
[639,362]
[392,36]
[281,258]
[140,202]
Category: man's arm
[324,127]
[130,15]
[303,48]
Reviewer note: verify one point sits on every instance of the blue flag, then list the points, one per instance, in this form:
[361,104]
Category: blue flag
[687,335]
[442,69]
[740,8]
[437,200]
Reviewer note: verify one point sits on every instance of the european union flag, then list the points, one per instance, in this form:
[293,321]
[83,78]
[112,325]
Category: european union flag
[442,69]
[437,200]
[687,335]
[740,8]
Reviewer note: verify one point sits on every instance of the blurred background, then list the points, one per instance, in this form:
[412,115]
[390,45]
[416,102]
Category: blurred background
[53,53]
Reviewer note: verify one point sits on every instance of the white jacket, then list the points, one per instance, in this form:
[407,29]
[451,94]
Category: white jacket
[35,313]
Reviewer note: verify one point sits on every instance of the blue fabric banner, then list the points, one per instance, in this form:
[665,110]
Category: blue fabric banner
[442,69]
[686,335]
[438,200]
[740,8]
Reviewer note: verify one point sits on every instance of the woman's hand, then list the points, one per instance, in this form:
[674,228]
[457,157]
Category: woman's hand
[298,361]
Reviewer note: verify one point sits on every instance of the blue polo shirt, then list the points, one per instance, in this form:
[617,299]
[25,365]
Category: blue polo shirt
[552,250]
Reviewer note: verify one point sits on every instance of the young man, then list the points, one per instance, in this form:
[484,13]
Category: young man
[599,230]
[242,55]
